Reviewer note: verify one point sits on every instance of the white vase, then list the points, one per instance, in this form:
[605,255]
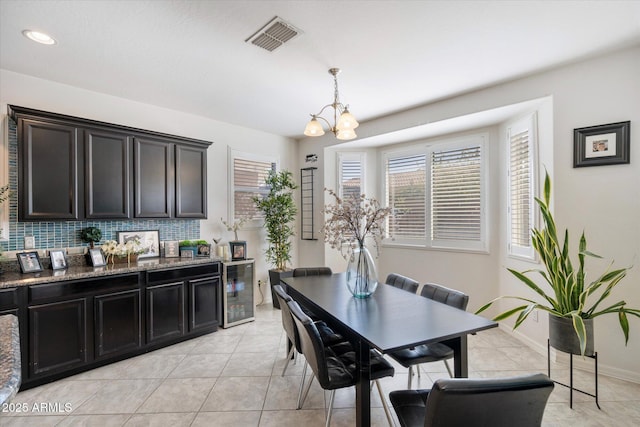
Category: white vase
[362,277]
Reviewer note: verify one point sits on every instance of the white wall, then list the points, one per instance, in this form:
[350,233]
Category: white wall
[604,201]
[26,91]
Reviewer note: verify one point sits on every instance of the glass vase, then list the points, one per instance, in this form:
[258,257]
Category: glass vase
[362,277]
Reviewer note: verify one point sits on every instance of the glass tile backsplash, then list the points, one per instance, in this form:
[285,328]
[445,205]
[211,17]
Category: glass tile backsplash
[66,234]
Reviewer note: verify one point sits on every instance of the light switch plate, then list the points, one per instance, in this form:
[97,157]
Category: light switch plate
[29,242]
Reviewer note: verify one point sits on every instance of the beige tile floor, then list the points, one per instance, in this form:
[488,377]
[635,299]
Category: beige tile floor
[232,378]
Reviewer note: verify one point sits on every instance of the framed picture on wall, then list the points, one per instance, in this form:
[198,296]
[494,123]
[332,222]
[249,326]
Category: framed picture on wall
[29,262]
[601,145]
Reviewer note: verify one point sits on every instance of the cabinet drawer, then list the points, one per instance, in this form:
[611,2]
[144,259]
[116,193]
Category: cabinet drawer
[8,298]
[80,287]
[175,274]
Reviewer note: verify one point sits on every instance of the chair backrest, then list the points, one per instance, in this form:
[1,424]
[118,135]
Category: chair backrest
[330,370]
[287,319]
[445,295]
[402,282]
[496,402]
[312,271]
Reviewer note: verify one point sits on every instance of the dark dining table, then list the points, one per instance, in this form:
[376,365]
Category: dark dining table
[389,320]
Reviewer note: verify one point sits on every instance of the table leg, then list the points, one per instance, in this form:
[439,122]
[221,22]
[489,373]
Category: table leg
[460,356]
[363,386]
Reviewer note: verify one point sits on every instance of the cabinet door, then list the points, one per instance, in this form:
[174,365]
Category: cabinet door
[191,182]
[118,326]
[165,311]
[57,337]
[153,165]
[107,157]
[203,303]
[48,167]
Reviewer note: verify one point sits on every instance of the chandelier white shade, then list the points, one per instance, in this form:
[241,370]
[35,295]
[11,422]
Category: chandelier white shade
[344,121]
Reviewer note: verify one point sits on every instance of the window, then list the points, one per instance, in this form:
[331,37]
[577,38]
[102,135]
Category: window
[456,194]
[350,174]
[247,181]
[437,195]
[521,142]
[406,177]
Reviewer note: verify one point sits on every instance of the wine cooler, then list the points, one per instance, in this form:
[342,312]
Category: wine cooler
[238,302]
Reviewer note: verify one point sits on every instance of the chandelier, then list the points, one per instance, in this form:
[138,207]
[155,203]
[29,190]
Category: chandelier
[344,122]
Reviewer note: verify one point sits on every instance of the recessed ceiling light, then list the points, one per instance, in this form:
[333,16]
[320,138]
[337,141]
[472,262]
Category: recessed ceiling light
[39,37]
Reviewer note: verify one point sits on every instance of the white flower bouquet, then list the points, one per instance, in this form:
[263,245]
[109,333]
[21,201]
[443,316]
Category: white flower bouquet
[129,250]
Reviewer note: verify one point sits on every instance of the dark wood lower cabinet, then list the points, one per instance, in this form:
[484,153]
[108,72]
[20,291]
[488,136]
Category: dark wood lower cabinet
[165,311]
[203,302]
[71,326]
[58,336]
[118,325]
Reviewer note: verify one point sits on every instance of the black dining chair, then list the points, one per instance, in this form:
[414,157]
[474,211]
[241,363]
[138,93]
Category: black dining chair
[327,335]
[312,271]
[334,366]
[402,282]
[462,402]
[432,352]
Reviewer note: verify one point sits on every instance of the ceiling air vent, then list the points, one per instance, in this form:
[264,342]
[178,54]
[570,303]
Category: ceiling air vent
[274,34]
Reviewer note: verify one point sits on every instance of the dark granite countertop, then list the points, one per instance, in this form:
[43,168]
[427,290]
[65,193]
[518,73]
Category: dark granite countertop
[12,279]
[10,373]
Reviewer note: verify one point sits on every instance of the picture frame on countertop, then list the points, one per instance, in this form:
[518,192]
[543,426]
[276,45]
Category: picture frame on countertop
[58,260]
[601,145]
[238,250]
[204,251]
[149,240]
[171,249]
[29,262]
[97,258]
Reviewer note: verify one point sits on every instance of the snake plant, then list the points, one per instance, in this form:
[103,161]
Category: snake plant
[569,295]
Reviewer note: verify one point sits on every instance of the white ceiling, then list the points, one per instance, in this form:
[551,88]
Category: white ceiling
[191,55]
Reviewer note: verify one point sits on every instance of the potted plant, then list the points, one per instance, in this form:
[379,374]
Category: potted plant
[90,235]
[279,213]
[567,303]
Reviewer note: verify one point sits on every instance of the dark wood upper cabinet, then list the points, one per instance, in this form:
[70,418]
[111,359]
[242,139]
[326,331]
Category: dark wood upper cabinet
[48,170]
[107,174]
[191,182]
[153,165]
[72,169]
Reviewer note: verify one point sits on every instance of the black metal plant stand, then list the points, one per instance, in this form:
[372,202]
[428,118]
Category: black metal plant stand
[570,386]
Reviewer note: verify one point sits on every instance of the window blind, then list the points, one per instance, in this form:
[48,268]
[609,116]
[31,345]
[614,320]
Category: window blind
[520,189]
[248,182]
[406,180]
[456,190]
[350,178]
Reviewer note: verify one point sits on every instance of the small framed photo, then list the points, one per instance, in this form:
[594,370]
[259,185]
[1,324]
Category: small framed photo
[204,251]
[29,262]
[238,250]
[601,145]
[149,240]
[97,257]
[58,260]
[171,249]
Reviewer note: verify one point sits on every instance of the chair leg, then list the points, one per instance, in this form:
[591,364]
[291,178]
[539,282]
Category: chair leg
[304,373]
[448,368]
[288,359]
[418,369]
[384,404]
[330,410]
[409,379]
[306,392]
